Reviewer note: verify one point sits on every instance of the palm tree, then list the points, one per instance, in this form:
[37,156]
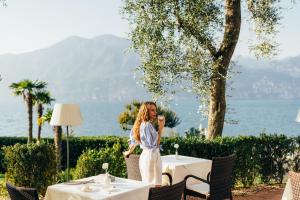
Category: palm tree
[26,88]
[57,137]
[41,97]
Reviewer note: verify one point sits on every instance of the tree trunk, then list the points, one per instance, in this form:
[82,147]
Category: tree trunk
[217,108]
[29,112]
[217,105]
[58,145]
[40,114]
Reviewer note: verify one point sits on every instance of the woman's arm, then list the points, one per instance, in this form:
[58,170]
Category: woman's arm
[130,150]
[132,145]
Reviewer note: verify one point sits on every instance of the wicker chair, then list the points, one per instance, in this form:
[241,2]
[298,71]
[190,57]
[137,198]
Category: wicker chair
[219,181]
[21,193]
[133,169]
[173,192]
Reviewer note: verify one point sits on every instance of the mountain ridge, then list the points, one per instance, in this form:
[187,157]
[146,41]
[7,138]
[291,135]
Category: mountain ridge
[98,69]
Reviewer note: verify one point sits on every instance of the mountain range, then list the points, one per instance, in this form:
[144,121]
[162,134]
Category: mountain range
[100,69]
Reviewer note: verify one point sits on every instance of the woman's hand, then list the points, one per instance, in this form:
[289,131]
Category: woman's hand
[130,150]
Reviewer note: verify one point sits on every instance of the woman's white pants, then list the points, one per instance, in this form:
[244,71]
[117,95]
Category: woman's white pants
[150,166]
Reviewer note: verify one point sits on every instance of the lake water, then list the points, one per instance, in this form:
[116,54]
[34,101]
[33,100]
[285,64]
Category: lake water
[101,118]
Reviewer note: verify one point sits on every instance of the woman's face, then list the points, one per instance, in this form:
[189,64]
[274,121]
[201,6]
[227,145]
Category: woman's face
[152,112]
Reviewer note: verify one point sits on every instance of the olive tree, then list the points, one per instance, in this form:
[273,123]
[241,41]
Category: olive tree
[190,43]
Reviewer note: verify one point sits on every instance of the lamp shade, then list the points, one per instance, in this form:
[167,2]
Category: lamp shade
[298,116]
[66,115]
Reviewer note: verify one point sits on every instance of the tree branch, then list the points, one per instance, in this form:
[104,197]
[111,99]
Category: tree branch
[182,24]
[232,28]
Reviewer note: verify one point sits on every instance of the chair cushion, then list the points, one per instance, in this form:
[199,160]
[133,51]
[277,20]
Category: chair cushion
[202,188]
[295,182]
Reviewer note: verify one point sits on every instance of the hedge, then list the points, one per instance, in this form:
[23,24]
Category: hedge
[264,158]
[32,165]
[77,146]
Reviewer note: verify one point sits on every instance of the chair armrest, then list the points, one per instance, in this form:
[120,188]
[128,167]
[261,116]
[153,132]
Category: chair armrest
[169,176]
[208,176]
[195,177]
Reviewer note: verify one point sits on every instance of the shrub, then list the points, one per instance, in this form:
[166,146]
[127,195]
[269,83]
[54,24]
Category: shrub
[273,154]
[30,165]
[8,141]
[193,132]
[90,162]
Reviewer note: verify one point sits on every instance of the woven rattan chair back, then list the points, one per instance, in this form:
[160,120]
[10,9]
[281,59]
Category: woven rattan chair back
[133,169]
[20,193]
[221,177]
[173,192]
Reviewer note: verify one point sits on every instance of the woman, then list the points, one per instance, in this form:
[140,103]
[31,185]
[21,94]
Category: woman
[144,133]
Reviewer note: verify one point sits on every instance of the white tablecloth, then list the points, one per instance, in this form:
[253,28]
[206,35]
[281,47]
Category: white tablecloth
[185,165]
[125,189]
[287,193]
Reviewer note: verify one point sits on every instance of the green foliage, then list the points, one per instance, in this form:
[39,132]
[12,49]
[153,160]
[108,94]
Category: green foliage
[189,45]
[275,152]
[126,119]
[263,158]
[3,190]
[90,162]
[179,40]
[192,132]
[77,145]
[8,141]
[62,175]
[24,87]
[30,165]
[265,16]
[80,144]
[47,115]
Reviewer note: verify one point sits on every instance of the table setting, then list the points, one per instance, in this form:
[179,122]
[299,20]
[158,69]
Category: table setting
[180,166]
[100,187]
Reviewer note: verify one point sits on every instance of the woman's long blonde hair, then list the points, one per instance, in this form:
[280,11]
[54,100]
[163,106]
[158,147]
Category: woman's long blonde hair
[142,116]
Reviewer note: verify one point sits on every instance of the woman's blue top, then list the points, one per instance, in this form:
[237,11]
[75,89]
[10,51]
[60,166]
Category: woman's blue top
[148,135]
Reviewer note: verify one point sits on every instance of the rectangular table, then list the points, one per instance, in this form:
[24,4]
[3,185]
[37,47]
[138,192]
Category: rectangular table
[185,165]
[125,189]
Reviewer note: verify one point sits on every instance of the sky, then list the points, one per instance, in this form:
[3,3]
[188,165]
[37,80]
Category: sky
[34,24]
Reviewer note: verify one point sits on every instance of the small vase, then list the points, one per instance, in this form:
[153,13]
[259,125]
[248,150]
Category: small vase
[176,155]
[107,180]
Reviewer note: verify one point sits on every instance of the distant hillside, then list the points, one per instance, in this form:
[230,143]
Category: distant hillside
[267,80]
[98,69]
[77,69]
